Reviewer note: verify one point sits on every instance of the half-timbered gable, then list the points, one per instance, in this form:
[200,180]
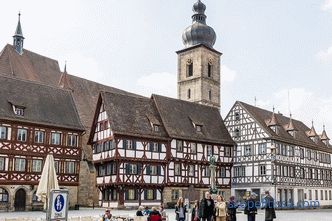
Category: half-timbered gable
[32,125]
[130,150]
[197,133]
[278,151]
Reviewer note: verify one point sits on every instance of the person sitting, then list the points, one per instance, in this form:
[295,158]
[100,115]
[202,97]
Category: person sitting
[107,216]
[140,211]
[146,212]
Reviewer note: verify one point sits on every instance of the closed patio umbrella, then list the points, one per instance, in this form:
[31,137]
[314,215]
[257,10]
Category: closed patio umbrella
[48,180]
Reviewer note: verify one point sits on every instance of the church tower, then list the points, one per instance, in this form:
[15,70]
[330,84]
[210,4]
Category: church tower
[18,37]
[199,62]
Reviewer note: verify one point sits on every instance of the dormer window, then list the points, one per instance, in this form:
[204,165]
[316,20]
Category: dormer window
[199,128]
[156,128]
[19,111]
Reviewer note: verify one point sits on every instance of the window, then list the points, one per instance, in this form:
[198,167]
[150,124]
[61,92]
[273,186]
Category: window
[129,144]
[22,135]
[149,194]
[56,165]
[193,147]
[37,165]
[228,151]
[19,111]
[55,138]
[179,146]
[262,170]
[19,164]
[189,93]
[310,195]
[131,168]
[155,147]
[326,195]
[239,171]
[330,195]
[3,133]
[302,173]
[199,128]
[131,194]
[175,194]
[177,169]
[152,170]
[262,148]
[301,153]
[191,171]
[316,194]
[2,163]
[222,172]
[110,169]
[210,95]
[156,128]
[291,151]
[39,136]
[237,116]
[101,170]
[71,140]
[3,195]
[292,171]
[189,68]
[209,150]
[70,167]
[308,154]
[206,171]
[247,150]
[237,133]
[209,70]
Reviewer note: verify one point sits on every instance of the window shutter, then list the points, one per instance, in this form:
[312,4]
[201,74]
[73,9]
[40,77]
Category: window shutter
[148,170]
[159,147]
[159,170]
[124,144]
[145,194]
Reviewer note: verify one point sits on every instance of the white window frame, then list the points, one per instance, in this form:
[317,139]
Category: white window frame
[39,136]
[177,169]
[153,170]
[22,134]
[56,140]
[191,170]
[262,170]
[150,194]
[70,167]
[209,150]
[2,163]
[3,133]
[247,150]
[72,140]
[131,194]
[37,165]
[20,164]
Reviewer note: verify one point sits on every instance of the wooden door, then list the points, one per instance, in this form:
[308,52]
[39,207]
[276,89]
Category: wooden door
[20,200]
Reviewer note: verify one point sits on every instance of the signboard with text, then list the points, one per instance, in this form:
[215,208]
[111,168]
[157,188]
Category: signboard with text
[58,205]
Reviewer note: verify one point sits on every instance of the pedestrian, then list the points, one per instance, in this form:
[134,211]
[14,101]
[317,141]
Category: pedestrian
[180,210]
[250,207]
[220,209]
[268,205]
[154,215]
[107,216]
[231,209]
[162,212]
[206,209]
[195,212]
[140,211]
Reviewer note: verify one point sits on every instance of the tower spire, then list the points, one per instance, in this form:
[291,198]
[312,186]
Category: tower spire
[18,36]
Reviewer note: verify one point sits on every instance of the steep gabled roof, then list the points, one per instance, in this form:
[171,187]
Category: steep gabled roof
[301,138]
[179,117]
[324,136]
[45,105]
[290,126]
[131,115]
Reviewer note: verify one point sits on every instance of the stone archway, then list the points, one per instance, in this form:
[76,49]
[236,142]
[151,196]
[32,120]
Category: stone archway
[20,200]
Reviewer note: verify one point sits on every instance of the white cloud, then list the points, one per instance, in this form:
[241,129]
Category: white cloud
[325,56]
[227,74]
[304,105]
[157,83]
[327,5]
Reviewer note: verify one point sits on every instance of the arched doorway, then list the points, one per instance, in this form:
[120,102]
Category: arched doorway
[20,199]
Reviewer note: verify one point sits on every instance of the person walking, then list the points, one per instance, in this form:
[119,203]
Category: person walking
[250,207]
[206,209]
[220,209]
[268,205]
[231,209]
[180,210]
[195,212]
[107,216]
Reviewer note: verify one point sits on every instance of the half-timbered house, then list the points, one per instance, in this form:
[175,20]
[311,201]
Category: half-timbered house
[279,154]
[36,120]
[152,150]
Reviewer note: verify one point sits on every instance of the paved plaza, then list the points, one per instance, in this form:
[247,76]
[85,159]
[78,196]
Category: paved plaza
[93,214]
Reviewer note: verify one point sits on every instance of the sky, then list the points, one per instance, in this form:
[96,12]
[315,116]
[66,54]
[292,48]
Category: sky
[277,51]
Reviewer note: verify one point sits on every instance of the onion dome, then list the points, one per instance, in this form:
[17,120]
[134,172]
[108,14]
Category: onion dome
[199,32]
